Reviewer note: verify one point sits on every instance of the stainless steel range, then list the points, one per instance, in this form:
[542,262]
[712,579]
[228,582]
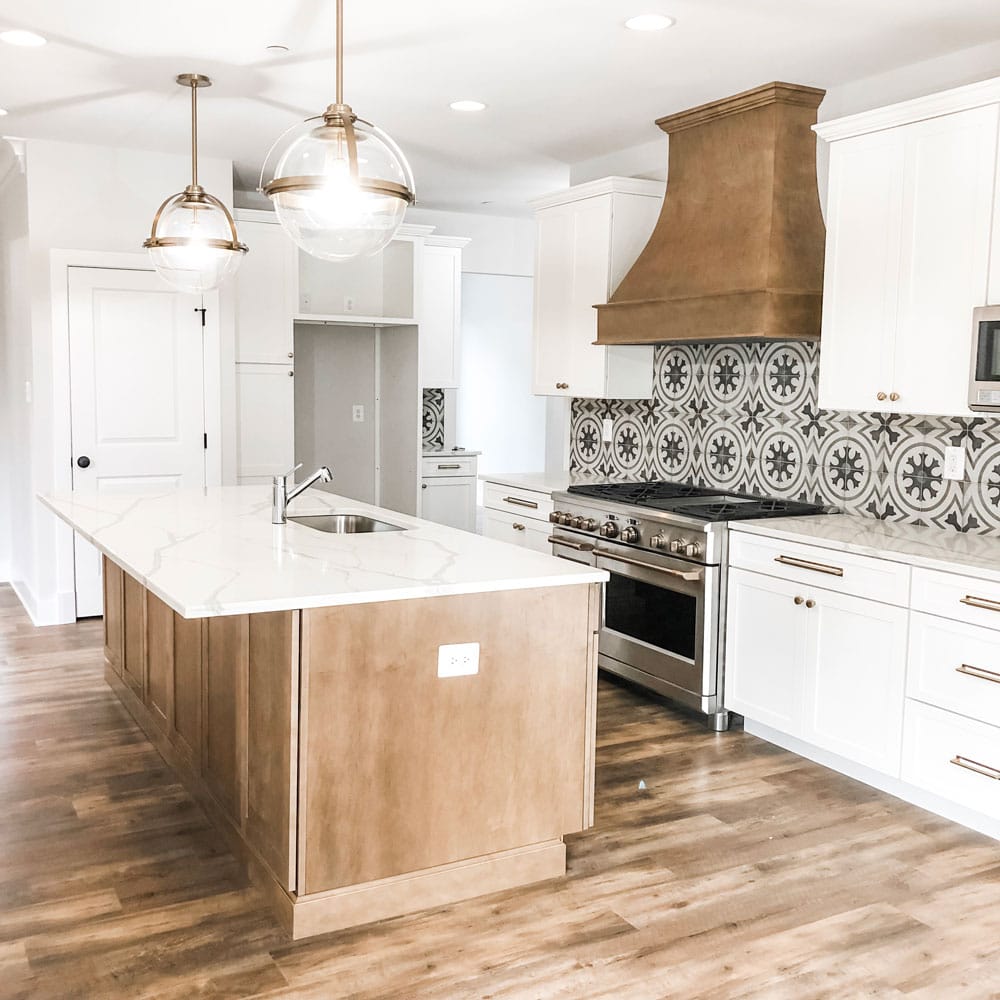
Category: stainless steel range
[665,546]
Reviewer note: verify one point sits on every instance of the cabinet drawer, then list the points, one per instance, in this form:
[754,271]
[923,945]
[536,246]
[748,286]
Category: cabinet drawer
[518,530]
[524,503]
[954,666]
[951,756]
[963,598]
[460,465]
[811,566]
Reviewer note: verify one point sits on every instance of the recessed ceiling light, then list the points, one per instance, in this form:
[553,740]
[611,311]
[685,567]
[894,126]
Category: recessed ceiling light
[26,39]
[649,22]
[467,106]
[277,48]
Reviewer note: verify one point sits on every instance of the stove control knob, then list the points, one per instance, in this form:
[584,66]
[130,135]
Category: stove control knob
[554,516]
[609,529]
[692,550]
[589,524]
[577,522]
[658,541]
[630,534]
[566,519]
[676,546]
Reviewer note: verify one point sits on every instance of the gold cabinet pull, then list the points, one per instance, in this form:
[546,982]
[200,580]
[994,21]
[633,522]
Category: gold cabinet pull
[518,527]
[880,396]
[815,566]
[894,396]
[454,465]
[797,600]
[985,603]
[521,503]
[973,765]
[810,603]
[980,672]
[562,385]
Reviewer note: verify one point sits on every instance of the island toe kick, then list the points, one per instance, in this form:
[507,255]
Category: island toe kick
[357,776]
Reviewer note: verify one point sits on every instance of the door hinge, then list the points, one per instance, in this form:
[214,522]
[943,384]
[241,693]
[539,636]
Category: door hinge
[206,442]
[202,310]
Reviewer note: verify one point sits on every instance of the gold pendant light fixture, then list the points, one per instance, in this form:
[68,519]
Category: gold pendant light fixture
[193,242]
[342,187]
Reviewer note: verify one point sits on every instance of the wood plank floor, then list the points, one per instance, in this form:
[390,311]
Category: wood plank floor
[738,871]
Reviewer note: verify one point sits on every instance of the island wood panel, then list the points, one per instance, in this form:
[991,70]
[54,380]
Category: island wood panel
[159,661]
[403,770]
[272,746]
[134,631]
[224,712]
[188,643]
[114,611]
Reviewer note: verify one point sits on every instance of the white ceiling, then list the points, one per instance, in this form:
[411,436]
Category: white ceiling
[564,80]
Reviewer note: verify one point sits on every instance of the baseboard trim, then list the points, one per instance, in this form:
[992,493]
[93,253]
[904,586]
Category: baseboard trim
[883,782]
[60,609]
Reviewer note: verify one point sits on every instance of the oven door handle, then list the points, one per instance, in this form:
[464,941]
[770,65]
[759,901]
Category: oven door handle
[690,574]
[570,545]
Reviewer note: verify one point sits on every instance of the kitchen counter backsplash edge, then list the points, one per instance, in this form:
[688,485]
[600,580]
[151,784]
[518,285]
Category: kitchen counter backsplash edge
[746,417]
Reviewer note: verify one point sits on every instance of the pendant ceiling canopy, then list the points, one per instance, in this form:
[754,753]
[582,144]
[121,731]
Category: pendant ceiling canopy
[193,243]
[342,186]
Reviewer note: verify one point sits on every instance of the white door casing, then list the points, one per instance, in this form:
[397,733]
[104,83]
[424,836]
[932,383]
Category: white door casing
[137,393]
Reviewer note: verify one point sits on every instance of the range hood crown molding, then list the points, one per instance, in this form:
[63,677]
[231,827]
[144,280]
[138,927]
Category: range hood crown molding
[737,252]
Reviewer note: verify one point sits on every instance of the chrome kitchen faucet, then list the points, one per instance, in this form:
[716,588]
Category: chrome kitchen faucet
[281,497]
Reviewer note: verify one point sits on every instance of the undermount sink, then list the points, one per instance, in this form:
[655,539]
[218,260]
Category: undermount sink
[344,524]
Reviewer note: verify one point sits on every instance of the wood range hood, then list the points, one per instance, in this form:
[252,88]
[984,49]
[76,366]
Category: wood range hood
[737,252]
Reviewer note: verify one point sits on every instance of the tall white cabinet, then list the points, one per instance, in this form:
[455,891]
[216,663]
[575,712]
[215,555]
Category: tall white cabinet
[587,239]
[913,245]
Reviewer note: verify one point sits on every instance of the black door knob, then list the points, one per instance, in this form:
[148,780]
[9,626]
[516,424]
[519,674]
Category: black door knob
[83,461]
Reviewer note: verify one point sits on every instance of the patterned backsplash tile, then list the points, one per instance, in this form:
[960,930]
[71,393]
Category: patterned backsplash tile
[746,417]
[433,420]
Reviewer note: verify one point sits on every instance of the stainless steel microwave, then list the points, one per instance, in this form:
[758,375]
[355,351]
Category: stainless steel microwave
[984,378]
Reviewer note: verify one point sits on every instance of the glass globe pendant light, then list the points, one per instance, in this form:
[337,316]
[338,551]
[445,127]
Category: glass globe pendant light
[341,187]
[193,243]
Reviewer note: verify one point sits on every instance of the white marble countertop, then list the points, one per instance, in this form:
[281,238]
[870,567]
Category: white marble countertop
[542,482]
[934,548]
[215,552]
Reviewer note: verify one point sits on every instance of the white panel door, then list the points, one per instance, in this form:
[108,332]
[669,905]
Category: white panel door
[945,254]
[449,500]
[766,652]
[137,394]
[864,216]
[854,691]
[440,317]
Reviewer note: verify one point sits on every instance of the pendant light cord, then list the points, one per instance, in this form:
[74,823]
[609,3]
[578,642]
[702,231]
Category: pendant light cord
[340,51]
[194,133]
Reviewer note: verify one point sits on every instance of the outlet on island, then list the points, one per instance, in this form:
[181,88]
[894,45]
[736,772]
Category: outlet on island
[459,659]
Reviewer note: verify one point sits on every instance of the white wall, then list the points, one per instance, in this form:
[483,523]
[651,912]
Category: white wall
[87,198]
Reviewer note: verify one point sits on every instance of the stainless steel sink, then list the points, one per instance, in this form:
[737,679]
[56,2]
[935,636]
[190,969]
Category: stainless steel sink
[344,524]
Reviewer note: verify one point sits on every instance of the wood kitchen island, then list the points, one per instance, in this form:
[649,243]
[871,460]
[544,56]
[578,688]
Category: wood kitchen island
[292,679]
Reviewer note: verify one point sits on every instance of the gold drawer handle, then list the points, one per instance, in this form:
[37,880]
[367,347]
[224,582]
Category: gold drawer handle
[521,503]
[562,385]
[980,672]
[880,396]
[518,527]
[980,602]
[455,466]
[973,765]
[815,566]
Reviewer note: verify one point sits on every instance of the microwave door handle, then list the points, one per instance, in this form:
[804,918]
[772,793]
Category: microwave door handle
[690,575]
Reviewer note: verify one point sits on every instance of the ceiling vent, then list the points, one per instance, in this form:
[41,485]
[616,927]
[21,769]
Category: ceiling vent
[737,252]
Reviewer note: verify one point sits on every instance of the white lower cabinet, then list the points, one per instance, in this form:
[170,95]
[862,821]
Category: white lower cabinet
[450,500]
[518,530]
[265,403]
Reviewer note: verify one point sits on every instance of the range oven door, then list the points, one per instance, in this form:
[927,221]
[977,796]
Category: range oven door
[659,623]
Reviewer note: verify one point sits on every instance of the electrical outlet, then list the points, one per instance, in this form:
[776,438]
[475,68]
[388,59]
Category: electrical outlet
[954,463]
[607,429]
[358,413]
[460,659]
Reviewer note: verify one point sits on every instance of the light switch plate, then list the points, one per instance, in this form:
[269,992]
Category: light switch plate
[607,429]
[954,463]
[358,413]
[459,659]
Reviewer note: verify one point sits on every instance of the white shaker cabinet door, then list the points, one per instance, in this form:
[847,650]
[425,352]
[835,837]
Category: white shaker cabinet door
[864,214]
[553,296]
[265,295]
[266,409]
[766,650]
[449,500]
[945,256]
[440,316]
[854,689]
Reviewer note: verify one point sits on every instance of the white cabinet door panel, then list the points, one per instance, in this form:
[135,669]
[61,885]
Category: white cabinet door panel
[766,654]
[855,685]
[265,295]
[449,500]
[266,409]
[440,316]
[553,292]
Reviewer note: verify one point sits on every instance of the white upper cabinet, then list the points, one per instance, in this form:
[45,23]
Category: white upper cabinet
[440,311]
[265,293]
[587,239]
[911,229]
